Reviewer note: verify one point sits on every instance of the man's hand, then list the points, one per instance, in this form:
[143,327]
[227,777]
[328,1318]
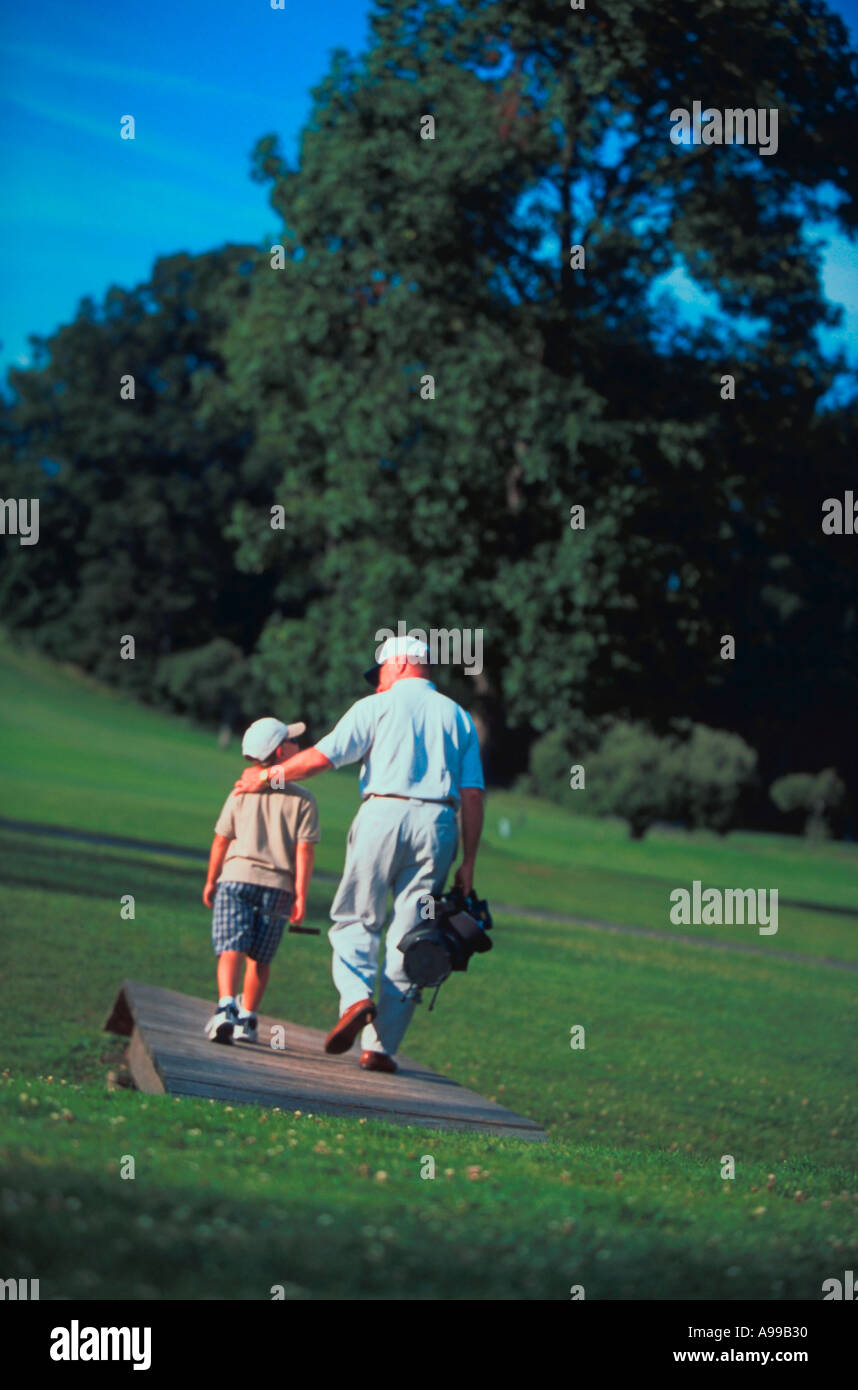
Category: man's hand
[305,764]
[464,877]
[253,779]
[209,892]
[299,907]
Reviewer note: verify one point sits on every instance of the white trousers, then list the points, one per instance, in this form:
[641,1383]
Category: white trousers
[407,848]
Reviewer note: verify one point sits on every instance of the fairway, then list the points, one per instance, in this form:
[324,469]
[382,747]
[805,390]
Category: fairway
[690,1055]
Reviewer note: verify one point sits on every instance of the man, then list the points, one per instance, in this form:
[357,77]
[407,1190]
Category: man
[421,761]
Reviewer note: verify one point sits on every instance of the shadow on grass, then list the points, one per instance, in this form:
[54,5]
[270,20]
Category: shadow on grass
[59,868]
[88,1237]
[36,829]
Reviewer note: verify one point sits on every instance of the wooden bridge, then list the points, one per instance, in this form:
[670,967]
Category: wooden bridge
[168,1053]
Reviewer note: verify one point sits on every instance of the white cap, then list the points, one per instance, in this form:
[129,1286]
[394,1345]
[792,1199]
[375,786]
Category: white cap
[265,735]
[416,651]
[404,648]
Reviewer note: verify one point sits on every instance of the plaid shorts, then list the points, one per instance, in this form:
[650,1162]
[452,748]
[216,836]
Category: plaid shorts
[249,918]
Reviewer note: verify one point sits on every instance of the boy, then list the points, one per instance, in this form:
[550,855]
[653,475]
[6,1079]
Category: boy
[262,852]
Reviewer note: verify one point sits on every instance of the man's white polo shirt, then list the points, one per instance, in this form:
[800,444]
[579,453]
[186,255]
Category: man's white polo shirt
[413,740]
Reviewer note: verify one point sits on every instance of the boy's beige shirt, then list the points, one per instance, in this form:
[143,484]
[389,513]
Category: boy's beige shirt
[264,828]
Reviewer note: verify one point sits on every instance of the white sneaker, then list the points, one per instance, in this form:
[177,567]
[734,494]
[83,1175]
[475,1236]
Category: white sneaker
[246,1029]
[220,1026]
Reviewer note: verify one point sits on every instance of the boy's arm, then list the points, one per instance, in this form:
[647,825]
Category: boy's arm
[216,858]
[304,856]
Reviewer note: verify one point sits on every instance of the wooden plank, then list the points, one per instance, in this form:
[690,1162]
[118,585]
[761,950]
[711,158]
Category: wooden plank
[301,1092]
[142,1068]
[389,1114]
[120,1020]
[169,1052]
[415,1090]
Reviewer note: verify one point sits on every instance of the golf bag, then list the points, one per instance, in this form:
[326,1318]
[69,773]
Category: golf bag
[445,942]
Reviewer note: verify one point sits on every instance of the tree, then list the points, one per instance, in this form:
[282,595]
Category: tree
[712,771]
[554,386]
[694,775]
[632,775]
[135,494]
[820,796]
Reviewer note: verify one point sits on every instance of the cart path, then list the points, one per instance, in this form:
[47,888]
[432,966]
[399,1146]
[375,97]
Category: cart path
[533,914]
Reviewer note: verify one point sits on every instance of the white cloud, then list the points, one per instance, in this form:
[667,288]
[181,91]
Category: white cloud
[74,65]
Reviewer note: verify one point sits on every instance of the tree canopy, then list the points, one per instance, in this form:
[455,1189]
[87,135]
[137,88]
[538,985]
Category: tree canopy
[429,380]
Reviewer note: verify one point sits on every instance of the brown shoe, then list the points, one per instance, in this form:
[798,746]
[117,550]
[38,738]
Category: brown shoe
[377,1061]
[346,1030]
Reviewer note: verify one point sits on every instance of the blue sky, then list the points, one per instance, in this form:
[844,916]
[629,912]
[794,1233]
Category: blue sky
[203,79]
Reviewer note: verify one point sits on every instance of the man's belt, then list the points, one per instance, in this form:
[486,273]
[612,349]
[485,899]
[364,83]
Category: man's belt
[396,796]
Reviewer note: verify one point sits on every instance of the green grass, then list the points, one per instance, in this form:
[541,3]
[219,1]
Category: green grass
[691,1054]
[78,756]
[227,1203]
